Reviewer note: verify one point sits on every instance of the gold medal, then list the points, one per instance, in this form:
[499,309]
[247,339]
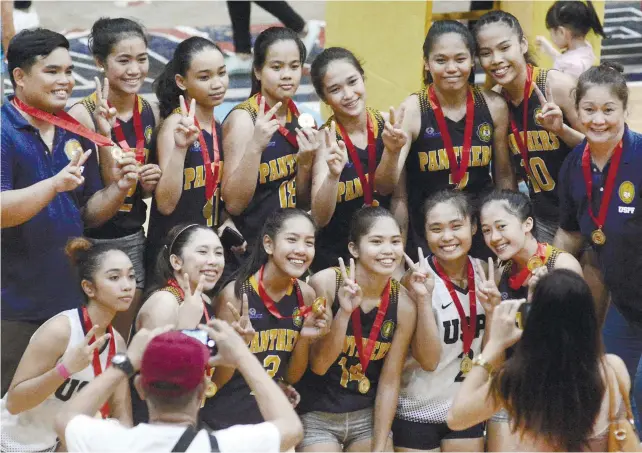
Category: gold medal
[208,210]
[375,203]
[598,237]
[306,120]
[116,153]
[466,364]
[534,262]
[318,306]
[211,389]
[364,385]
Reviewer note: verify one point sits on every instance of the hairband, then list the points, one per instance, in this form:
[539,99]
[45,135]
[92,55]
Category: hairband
[171,246]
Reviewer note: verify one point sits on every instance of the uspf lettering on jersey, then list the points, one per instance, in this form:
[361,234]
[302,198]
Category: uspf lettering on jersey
[378,352]
[437,160]
[280,168]
[453,332]
[194,177]
[274,340]
[68,388]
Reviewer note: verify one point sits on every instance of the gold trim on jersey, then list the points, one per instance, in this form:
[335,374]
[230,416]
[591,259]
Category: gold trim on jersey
[251,106]
[255,285]
[376,117]
[90,102]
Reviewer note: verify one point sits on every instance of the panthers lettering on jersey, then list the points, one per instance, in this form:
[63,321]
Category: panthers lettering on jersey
[273,342]
[332,241]
[546,153]
[275,185]
[338,391]
[133,212]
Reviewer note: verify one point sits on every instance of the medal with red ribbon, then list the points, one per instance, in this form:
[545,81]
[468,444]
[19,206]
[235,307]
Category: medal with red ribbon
[598,237]
[271,306]
[138,131]
[517,280]
[174,284]
[98,369]
[366,352]
[64,121]
[368,189]
[519,140]
[469,327]
[288,135]
[457,172]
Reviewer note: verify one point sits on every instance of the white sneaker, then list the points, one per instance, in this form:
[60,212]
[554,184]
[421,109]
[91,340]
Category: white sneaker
[238,65]
[23,20]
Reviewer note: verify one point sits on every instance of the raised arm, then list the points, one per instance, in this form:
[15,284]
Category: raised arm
[503,172]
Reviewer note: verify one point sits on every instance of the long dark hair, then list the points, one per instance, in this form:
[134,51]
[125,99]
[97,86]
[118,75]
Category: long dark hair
[442,27]
[320,65]
[506,19]
[552,384]
[106,32]
[258,257]
[578,16]
[457,198]
[363,220]
[165,87]
[262,44]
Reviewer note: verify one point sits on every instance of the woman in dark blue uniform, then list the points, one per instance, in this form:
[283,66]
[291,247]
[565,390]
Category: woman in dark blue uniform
[449,118]
[268,290]
[343,176]
[270,147]
[119,47]
[190,146]
[349,395]
[600,198]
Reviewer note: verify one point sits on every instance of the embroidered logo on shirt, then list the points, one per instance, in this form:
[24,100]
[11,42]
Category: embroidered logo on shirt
[297,319]
[72,147]
[431,133]
[253,314]
[484,132]
[626,192]
[387,329]
[148,134]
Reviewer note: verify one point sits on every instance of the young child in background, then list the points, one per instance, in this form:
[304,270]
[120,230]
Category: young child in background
[568,23]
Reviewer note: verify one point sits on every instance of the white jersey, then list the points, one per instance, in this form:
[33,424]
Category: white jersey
[426,396]
[33,430]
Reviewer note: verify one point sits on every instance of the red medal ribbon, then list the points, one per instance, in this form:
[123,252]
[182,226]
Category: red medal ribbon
[211,174]
[98,369]
[457,171]
[517,280]
[521,142]
[364,354]
[368,189]
[469,327]
[63,120]
[174,284]
[271,306]
[289,136]
[608,187]
[138,130]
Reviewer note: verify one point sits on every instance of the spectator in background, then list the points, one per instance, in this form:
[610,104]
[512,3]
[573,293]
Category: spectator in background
[172,366]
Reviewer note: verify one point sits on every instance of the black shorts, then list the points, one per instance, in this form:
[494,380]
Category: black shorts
[428,436]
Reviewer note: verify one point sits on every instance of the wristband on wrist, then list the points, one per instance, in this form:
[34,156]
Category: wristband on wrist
[63,371]
[480,361]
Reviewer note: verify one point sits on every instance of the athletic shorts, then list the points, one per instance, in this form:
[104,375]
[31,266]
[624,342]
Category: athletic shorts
[343,429]
[134,246]
[428,436]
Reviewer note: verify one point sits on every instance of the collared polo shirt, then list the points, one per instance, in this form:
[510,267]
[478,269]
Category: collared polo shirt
[37,278]
[621,256]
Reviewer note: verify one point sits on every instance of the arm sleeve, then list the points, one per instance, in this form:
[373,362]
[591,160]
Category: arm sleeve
[264,437]
[84,433]
[568,209]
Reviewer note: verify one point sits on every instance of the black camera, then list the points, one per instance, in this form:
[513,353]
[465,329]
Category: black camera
[201,336]
[522,315]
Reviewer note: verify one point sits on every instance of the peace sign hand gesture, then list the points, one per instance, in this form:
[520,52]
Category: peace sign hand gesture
[551,116]
[190,311]
[104,115]
[78,358]
[419,281]
[242,323]
[186,132]
[336,152]
[265,125]
[70,177]
[394,137]
[487,292]
[350,294]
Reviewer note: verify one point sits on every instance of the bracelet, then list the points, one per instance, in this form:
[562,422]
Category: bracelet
[479,361]
[63,371]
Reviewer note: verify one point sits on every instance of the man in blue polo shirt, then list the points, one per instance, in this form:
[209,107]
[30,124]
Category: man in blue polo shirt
[50,191]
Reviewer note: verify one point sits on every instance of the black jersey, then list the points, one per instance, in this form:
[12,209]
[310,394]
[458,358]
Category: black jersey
[522,292]
[428,167]
[272,344]
[275,186]
[132,214]
[191,204]
[332,240]
[546,153]
[139,407]
[339,390]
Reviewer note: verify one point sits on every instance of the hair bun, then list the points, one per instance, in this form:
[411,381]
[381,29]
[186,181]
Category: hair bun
[612,65]
[77,248]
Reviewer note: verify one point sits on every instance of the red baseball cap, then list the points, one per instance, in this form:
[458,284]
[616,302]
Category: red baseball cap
[173,364]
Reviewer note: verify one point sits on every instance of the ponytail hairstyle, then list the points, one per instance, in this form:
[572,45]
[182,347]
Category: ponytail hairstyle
[87,256]
[320,65]
[165,87]
[578,16]
[442,27]
[106,33]
[262,44]
[505,18]
[174,244]
[364,219]
[258,257]
[609,74]
[515,202]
